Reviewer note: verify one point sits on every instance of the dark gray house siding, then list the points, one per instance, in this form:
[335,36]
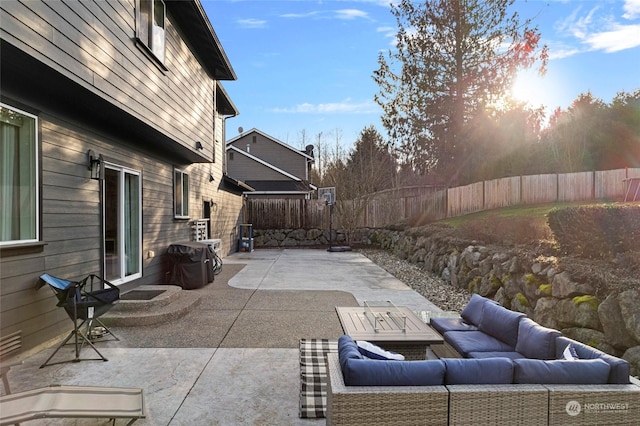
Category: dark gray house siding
[271,167]
[77,67]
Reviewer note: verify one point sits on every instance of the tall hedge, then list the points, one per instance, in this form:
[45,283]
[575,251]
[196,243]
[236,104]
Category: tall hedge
[596,231]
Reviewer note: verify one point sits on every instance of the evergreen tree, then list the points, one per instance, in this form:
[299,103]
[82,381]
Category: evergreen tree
[450,63]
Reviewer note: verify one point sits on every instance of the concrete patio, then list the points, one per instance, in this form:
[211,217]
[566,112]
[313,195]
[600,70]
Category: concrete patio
[234,358]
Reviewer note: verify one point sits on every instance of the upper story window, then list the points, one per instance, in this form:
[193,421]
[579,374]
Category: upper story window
[19,221]
[181,194]
[151,19]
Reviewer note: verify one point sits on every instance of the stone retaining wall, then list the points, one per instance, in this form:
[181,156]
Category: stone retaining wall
[550,297]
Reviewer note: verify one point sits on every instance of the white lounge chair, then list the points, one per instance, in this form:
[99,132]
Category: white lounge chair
[59,401]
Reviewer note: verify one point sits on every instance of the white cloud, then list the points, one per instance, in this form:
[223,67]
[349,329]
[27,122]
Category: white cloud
[620,37]
[346,106]
[349,14]
[602,33]
[300,15]
[252,23]
[631,9]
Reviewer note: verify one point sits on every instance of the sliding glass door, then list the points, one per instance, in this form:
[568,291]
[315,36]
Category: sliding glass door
[122,224]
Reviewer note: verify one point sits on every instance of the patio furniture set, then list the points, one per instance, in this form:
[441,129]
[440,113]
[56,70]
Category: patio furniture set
[511,371]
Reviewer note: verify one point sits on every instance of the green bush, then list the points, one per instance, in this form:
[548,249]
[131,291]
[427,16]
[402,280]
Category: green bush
[596,231]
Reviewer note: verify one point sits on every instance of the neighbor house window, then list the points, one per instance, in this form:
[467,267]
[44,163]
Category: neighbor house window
[151,26]
[122,224]
[18,177]
[181,194]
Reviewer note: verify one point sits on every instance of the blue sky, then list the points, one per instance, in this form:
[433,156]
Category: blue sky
[305,66]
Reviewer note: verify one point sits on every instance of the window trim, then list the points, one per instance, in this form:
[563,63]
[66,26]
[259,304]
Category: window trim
[37,182]
[181,214]
[146,46]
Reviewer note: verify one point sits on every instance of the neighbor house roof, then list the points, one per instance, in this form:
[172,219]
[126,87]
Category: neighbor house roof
[254,130]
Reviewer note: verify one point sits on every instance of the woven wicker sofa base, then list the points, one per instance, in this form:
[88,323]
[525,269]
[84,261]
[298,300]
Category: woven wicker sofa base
[479,404]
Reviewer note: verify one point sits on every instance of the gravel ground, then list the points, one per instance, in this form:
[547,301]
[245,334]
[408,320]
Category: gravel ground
[441,294]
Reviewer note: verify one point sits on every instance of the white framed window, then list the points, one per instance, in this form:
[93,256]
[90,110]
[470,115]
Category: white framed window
[151,24]
[19,186]
[122,227]
[180,194]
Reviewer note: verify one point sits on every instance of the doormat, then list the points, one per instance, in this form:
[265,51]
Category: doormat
[313,376]
[141,294]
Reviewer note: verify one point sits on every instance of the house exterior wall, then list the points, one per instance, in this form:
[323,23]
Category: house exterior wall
[245,168]
[90,42]
[275,153]
[89,47]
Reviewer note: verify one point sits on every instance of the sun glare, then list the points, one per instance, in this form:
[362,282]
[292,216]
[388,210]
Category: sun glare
[529,89]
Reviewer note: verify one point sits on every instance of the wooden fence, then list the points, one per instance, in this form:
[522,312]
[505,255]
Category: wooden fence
[391,206]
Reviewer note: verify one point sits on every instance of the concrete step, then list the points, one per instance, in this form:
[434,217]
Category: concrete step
[171,304]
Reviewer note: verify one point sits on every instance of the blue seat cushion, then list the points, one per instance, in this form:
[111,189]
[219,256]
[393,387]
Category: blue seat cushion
[620,369]
[443,325]
[510,355]
[475,341]
[560,371]
[373,372]
[500,323]
[489,371]
[472,312]
[535,341]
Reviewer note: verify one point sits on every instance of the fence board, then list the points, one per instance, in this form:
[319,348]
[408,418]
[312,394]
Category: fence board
[575,186]
[610,184]
[538,189]
[502,192]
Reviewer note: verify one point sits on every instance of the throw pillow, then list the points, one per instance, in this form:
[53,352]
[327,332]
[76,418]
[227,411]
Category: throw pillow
[570,353]
[372,351]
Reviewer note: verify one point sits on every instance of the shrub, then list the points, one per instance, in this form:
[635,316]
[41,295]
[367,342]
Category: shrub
[505,230]
[596,231]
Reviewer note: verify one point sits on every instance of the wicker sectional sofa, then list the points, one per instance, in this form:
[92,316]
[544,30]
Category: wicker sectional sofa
[513,371]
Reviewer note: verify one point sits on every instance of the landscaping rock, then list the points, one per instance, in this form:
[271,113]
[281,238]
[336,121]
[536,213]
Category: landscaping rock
[629,302]
[632,356]
[572,314]
[611,320]
[590,337]
[545,312]
[564,287]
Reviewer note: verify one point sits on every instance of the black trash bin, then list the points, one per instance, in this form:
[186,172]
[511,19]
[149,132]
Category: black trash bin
[190,264]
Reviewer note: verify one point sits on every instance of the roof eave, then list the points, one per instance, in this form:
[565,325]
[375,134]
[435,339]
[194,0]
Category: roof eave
[196,26]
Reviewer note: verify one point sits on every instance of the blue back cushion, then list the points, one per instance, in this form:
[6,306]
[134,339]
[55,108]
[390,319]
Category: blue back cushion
[537,371]
[489,371]
[535,341]
[619,367]
[347,349]
[472,312]
[500,323]
[373,372]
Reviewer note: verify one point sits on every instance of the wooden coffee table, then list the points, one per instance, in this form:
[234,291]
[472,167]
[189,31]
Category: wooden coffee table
[395,328]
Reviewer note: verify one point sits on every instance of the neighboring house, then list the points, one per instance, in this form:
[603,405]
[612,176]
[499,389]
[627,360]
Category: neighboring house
[112,127]
[270,167]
